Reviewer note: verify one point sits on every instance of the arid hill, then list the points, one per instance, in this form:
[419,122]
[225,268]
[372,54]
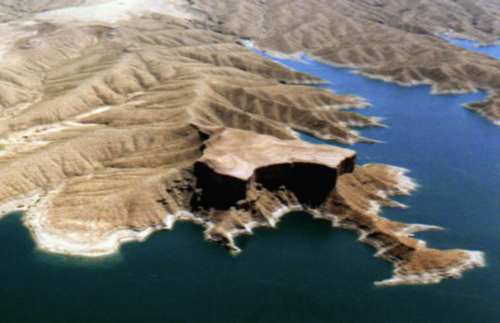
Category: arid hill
[393,40]
[115,125]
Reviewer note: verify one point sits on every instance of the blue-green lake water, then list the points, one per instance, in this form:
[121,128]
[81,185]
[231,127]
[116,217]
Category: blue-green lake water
[305,271]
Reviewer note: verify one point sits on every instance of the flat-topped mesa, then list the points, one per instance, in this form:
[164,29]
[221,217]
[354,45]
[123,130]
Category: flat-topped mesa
[234,158]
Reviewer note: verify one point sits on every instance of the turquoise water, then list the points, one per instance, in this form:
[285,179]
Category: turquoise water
[304,272]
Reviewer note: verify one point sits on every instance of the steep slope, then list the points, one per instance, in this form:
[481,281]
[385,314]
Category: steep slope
[122,101]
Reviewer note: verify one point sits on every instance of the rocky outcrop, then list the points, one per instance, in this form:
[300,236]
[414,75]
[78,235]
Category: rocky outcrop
[235,160]
[240,182]
[242,154]
[324,181]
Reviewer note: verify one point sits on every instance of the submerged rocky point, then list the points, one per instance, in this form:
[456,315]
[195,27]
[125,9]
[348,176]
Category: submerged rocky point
[113,129]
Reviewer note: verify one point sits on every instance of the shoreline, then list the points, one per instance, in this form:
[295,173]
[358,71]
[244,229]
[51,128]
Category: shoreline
[434,88]
[106,243]
[476,259]
[110,244]
[405,186]
[355,69]
[73,244]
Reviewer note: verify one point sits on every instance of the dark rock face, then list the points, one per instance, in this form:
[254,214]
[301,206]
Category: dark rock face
[310,183]
[216,191]
[228,171]
[347,166]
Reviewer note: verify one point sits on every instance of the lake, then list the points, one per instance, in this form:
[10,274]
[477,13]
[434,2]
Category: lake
[304,271]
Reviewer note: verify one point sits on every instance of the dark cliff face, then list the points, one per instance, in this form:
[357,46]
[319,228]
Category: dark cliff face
[347,166]
[310,183]
[216,191]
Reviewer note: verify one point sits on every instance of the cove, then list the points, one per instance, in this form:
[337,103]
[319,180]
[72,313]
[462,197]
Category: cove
[303,271]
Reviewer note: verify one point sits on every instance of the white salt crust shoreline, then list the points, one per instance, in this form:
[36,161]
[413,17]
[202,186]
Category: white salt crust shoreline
[476,259]
[272,221]
[23,203]
[35,206]
[389,79]
[434,88]
[355,137]
[358,103]
[60,243]
[299,56]
[56,242]
[405,186]
[436,91]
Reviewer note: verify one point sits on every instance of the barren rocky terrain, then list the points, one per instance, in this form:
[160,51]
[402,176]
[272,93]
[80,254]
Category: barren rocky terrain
[397,41]
[110,113]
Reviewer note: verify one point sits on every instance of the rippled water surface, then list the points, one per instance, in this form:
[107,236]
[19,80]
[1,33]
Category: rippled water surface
[306,271]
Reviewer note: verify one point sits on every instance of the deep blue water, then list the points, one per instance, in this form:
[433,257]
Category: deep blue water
[305,271]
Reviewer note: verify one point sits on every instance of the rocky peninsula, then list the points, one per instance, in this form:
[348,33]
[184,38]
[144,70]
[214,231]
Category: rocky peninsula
[234,188]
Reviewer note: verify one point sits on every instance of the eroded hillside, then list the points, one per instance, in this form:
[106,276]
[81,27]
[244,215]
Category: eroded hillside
[114,113]
[109,122]
[392,40]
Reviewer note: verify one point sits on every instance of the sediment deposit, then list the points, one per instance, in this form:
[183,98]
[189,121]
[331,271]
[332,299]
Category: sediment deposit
[115,125]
